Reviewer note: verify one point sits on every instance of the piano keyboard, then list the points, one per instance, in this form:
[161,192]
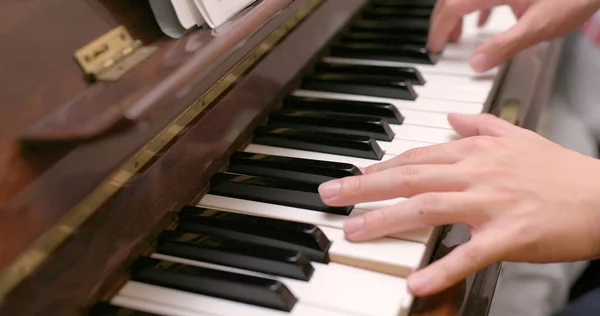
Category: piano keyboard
[261,242]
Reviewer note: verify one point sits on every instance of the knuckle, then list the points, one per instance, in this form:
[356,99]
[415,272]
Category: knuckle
[429,201]
[408,176]
[475,253]
[413,155]
[427,206]
[482,143]
[409,172]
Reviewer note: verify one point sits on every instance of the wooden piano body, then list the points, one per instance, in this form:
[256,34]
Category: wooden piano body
[92,171]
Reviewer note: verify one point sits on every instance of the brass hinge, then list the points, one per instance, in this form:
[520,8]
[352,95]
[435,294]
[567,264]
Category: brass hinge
[112,55]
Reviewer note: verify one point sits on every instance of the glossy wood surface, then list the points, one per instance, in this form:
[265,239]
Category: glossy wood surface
[91,264]
[39,74]
[40,187]
[174,179]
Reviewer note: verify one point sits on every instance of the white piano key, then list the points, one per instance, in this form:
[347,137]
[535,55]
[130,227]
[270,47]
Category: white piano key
[385,255]
[163,300]
[400,145]
[421,118]
[379,204]
[501,20]
[149,306]
[452,88]
[421,104]
[333,286]
[296,153]
[295,214]
[424,133]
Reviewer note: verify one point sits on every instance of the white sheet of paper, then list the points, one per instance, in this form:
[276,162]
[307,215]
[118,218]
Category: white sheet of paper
[184,13]
[196,13]
[167,18]
[217,12]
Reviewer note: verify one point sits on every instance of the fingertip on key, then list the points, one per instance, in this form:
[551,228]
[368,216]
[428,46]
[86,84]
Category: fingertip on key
[479,62]
[434,47]
[330,189]
[353,225]
[418,283]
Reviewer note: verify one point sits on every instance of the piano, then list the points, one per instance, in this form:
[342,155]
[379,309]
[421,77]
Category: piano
[149,175]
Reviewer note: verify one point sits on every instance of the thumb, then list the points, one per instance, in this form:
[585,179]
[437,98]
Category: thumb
[465,259]
[483,124]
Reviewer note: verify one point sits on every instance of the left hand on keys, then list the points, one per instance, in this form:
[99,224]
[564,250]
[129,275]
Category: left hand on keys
[523,197]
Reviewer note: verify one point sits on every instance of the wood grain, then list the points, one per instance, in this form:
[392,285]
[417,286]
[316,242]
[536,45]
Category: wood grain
[42,181]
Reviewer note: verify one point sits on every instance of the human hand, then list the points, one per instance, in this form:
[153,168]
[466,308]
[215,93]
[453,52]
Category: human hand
[523,197]
[538,20]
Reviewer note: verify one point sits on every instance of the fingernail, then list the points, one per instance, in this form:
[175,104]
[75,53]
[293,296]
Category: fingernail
[479,62]
[418,282]
[354,224]
[330,189]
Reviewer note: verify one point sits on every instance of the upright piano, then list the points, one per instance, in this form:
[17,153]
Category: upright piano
[144,174]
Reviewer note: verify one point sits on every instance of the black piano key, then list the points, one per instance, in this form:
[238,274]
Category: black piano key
[227,285]
[106,309]
[235,253]
[384,111]
[338,144]
[303,237]
[404,25]
[390,73]
[289,168]
[360,85]
[385,38]
[374,127]
[375,51]
[272,190]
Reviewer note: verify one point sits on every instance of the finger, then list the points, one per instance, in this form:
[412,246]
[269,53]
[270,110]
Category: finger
[444,153]
[434,15]
[485,125]
[456,33]
[436,9]
[481,251]
[404,181]
[424,210]
[500,48]
[484,16]
[450,13]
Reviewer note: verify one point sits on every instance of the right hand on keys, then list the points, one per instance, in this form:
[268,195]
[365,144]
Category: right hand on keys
[538,20]
[524,198]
